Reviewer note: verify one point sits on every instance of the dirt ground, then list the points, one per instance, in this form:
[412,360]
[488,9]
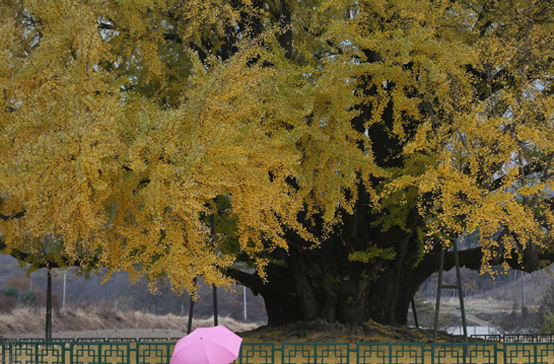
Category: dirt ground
[320,331]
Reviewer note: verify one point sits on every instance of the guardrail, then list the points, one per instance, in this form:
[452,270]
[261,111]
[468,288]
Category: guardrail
[286,353]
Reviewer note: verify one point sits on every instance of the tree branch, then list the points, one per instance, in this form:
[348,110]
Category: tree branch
[14,216]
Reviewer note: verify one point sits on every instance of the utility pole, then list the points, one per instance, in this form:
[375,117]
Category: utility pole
[244,298]
[63,295]
[191,310]
[214,288]
[522,291]
[48,325]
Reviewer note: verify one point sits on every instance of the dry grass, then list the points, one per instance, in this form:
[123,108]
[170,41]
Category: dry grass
[90,321]
[106,321]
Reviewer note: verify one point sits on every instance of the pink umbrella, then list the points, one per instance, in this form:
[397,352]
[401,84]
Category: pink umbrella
[209,345]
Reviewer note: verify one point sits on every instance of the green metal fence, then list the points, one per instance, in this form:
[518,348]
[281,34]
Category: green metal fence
[19,352]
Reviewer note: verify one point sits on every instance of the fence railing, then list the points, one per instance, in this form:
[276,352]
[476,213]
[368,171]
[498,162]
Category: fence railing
[517,338]
[94,340]
[286,353]
[507,338]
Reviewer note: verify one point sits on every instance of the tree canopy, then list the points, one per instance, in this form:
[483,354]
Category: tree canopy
[340,143]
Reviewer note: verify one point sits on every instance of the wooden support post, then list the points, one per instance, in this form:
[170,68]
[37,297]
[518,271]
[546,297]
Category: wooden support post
[458,287]
[415,314]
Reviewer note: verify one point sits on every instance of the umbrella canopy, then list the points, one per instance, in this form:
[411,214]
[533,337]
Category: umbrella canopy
[207,345]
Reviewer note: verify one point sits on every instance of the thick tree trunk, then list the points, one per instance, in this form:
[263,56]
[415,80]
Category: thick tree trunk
[324,284]
[281,301]
[347,296]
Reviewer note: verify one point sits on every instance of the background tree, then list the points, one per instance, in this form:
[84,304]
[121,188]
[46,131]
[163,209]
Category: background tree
[342,144]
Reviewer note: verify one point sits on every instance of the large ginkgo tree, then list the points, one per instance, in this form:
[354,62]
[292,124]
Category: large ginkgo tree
[337,146]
